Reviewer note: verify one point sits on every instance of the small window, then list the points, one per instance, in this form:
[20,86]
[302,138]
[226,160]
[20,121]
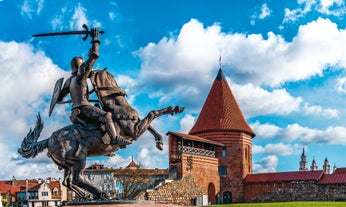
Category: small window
[222,170]
[224,153]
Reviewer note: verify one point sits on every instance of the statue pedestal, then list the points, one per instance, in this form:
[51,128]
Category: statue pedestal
[110,203]
[119,203]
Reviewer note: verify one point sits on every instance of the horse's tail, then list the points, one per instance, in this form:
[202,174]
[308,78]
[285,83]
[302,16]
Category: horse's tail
[30,147]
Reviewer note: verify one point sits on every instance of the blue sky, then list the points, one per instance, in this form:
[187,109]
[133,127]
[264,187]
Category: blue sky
[284,60]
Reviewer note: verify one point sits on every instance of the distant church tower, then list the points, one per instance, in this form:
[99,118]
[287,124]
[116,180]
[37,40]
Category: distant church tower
[221,120]
[313,165]
[326,166]
[303,164]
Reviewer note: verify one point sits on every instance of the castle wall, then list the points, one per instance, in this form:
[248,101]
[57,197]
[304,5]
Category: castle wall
[293,191]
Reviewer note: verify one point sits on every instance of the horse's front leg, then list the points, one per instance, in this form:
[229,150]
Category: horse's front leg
[158,137]
[144,124]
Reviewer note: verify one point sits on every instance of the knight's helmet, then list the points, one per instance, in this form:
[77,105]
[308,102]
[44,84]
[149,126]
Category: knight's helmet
[75,63]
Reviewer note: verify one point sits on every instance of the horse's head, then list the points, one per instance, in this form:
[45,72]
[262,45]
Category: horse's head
[105,84]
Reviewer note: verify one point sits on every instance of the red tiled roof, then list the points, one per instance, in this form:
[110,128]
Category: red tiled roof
[132,165]
[333,179]
[284,176]
[196,138]
[221,111]
[5,187]
[340,171]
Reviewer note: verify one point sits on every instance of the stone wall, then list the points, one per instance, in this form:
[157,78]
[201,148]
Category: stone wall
[294,191]
[180,192]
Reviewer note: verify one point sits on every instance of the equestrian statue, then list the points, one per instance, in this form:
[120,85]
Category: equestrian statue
[96,130]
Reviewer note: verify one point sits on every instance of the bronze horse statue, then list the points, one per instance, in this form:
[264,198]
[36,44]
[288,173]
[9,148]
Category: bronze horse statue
[70,146]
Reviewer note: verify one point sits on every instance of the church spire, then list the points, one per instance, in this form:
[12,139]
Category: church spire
[313,165]
[326,166]
[303,164]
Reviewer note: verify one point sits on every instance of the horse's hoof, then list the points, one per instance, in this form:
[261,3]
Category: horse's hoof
[103,196]
[176,109]
[159,145]
[179,109]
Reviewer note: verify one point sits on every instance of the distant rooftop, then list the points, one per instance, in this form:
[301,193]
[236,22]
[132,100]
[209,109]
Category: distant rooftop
[284,176]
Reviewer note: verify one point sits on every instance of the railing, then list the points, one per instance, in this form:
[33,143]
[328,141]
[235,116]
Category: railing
[198,151]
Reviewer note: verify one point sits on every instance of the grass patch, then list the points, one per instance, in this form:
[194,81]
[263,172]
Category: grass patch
[288,204]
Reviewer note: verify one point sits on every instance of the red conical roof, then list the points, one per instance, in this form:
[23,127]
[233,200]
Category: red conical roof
[221,111]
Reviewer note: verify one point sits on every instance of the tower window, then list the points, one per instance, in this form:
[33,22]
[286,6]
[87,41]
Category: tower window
[222,170]
[223,152]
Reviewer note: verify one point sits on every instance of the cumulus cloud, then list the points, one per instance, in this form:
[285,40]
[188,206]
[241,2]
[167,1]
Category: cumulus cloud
[331,135]
[167,66]
[186,123]
[266,164]
[27,82]
[279,149]
[25,168]
[28,78]
[277,101]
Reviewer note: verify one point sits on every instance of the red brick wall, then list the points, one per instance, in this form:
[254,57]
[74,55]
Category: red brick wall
[204,170]
[238,161]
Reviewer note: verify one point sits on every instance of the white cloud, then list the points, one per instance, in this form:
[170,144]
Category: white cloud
[186,123]
[112,16]
[38,168]
[265,11]
[58,21]
[266,164]
[28,78]
[331,135]
[293,15]
[27,81]
[79,18]
[326,7]
[341,85]
[266,131]
[29,8]
[115,161]
[262,14]
[313,109]
[278,149]
[277,101]
[170,63]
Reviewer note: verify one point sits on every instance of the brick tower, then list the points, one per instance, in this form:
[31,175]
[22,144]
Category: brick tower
[221,120]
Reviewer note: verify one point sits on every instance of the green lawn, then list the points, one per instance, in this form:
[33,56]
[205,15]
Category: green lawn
[287,204]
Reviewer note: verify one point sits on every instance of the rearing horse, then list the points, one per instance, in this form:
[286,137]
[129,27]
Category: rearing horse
[70,146]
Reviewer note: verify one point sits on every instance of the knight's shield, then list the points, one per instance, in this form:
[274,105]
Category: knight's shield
[56,93]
